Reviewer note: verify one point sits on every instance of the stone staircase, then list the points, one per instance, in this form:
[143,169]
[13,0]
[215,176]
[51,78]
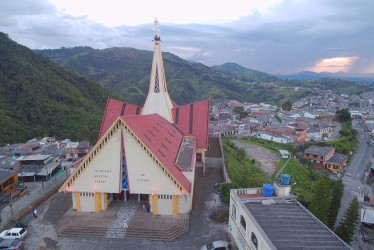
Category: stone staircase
[95,232]
[163,234]
[168,234]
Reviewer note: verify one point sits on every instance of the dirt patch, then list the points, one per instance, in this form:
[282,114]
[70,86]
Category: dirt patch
[264,156]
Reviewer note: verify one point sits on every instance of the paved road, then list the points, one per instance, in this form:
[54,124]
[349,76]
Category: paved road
[354,177]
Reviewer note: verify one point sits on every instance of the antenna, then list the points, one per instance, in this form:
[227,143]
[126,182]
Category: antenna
[157,30]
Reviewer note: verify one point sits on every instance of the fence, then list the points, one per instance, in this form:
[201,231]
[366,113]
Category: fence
[17,207]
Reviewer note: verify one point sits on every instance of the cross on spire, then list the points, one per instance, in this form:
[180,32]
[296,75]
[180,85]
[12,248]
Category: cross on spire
[157,30]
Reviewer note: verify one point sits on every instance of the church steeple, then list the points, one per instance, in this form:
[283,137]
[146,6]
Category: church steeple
[158,99]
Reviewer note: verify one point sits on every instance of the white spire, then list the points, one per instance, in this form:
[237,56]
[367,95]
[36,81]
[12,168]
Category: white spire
[158,99]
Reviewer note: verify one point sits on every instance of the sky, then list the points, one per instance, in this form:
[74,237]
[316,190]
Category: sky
[273,36]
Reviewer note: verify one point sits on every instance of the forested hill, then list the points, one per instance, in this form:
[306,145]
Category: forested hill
[41,98]
[127,72]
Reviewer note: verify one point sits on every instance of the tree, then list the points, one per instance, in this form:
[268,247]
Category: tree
[343,115]
[240,112]
[287,106]
[320,204]
[337,194]
[347,226]
[224,191]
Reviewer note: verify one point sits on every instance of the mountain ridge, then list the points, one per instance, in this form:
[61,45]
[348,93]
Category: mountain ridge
[40,98]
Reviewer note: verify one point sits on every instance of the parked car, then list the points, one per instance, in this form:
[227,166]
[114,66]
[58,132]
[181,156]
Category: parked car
[15,244]
[216,245]
[14,233]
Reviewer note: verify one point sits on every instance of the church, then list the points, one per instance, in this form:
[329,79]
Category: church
[149,152]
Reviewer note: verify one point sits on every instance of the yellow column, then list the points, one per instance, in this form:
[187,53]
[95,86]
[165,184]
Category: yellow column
[154,203]
[106,200]
[78,201]
[175,204]
[97,202]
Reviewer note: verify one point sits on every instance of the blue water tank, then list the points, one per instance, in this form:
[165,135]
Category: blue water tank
[268,190]
[285,179]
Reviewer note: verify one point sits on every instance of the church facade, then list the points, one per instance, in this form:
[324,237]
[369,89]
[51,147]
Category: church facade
[148,151]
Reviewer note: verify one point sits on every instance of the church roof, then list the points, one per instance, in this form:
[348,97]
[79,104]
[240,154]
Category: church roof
[162,138]
[115,109]
[193,120]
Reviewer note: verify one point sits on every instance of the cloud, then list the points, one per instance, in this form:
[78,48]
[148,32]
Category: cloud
[335,64]
[282,37]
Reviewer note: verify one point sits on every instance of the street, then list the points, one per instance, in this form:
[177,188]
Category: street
[354,178]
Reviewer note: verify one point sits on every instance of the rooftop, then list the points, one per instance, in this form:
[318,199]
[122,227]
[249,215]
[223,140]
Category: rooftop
[337,158]
[291,226]
[37,157]
[316,150]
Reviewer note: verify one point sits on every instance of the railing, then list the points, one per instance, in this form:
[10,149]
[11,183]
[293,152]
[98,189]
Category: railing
[15,208]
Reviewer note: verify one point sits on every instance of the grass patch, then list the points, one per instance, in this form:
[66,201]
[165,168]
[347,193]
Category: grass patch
[242,170]
[304,177]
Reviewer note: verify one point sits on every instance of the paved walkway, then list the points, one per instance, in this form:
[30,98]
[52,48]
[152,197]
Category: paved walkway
[126,212]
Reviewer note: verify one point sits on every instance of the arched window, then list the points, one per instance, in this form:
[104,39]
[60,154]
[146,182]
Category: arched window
[242,222]
[254,239]
[233,212]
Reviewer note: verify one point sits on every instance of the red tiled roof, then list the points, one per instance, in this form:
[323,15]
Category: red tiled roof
[193,119]
[162,138]
[115,109]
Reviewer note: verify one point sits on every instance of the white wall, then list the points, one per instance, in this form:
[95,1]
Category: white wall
[103,173]
[87,201]
[165,204]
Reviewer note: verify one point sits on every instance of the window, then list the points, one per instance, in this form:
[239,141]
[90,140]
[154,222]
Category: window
[242,222]
[233,212]
[254,239]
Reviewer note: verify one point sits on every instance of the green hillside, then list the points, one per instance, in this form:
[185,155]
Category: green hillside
[127,71]
[40,98]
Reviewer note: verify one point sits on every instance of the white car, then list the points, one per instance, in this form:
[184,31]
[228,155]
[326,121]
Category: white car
[216,245]
[14,233]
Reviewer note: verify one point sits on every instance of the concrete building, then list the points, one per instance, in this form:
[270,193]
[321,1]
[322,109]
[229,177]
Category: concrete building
[145,152]
[276,222]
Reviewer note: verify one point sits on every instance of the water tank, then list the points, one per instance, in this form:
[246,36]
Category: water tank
[285,179]
[268,190]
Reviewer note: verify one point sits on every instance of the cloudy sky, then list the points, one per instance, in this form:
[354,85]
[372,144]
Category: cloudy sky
[274,36]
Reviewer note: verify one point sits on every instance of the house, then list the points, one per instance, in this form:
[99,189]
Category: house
[326,157]
[319,155]
[275,137]
[336,163]
[70,151]
[82,149]
[284,154]
[276,222]
[26,149]
[38,167]
[8,180]
[9,162]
